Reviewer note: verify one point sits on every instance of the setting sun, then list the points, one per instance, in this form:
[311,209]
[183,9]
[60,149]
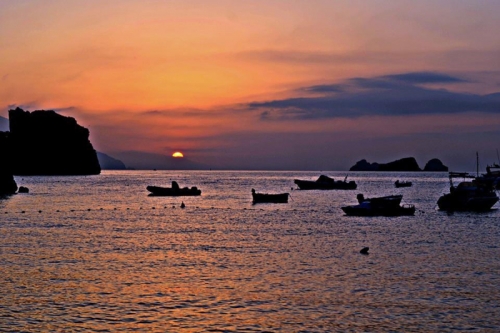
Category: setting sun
[177,154]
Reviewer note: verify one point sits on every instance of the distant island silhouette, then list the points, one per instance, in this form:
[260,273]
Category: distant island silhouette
[46,143]
[407,164]
[110,163]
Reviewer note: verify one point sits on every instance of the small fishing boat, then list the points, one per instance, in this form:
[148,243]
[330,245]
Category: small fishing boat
[379,206]
[269,198]
[326,183]
[398,184]
[174,191]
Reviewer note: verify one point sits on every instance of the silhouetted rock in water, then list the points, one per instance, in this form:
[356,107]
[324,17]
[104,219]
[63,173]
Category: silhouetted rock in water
[7,183]
[364,250]
[46,143]
[183,205]
[364,165]
[404,164]
[408,164]
[23,189]
[435,165]
[109,163]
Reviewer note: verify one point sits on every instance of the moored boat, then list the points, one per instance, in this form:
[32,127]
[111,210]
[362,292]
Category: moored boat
[491,177]
[472,195]
[398,184]
[269,198]
[326,183]
[174,191]
[379,206]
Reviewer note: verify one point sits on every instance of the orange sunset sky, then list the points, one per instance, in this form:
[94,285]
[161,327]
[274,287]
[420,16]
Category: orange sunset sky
[313,85]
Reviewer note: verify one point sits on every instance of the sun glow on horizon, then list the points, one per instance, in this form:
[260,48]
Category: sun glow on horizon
[177,154]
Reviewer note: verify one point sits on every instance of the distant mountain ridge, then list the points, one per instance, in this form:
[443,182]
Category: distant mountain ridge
[149,161]
[109,163]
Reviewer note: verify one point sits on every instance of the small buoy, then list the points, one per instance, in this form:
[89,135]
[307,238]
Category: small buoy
[140,207]
[57,211]
[153,208]
[22,212]
[128,208]
[115,208]
[88,210]
[183,205]
[100,208]
[364,250]
[39,211]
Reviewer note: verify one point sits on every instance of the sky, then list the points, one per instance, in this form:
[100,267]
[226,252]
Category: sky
[293,85]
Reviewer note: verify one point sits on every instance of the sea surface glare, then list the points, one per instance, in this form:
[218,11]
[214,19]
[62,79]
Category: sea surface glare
[96,253]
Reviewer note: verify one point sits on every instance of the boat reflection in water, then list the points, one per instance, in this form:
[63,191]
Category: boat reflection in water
[379,206]
[475,195]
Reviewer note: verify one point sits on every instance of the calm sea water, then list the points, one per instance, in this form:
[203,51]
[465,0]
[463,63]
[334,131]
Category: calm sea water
[97,253]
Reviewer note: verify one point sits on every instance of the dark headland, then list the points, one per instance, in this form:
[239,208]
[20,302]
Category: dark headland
[7,183]
[46,143]
[407,164]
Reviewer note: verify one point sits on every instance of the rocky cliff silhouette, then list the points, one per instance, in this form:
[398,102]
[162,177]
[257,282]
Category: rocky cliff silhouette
[46,143]
[7,183]
[408,164]
[435,165]
[405,164]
